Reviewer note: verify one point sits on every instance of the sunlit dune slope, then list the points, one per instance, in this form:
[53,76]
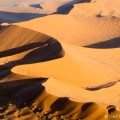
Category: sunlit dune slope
[78,29]
[108,7]
[99,8]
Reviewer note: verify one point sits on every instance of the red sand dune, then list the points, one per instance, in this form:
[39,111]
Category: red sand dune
[72,75]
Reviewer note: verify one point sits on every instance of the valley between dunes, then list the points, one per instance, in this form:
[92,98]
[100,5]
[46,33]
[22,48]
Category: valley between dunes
[62,67]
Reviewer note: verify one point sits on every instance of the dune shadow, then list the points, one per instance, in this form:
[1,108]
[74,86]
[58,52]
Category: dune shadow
[28,96]
[47,50]
[60,104]
[29,46]
[89,108]
[20,91]
[11,17]
[41,51]
[107,85]
[86,106]
[5,72]
[111,108]
[36,6]
[112,43]
[66,8]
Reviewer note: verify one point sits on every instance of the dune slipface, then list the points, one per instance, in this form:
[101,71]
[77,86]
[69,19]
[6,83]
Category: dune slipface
[62,67]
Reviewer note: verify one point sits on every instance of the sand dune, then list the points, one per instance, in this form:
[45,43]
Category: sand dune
[61,67]
[31,107]
[99,8]
[47,98]
[23,10]
[40,104]
[110,7]
[99,73]
[79,29]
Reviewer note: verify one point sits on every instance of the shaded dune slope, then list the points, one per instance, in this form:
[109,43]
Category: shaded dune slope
[11,17]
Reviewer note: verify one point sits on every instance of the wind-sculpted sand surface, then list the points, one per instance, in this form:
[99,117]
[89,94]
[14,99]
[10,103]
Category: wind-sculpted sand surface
[22,10]
[62,67]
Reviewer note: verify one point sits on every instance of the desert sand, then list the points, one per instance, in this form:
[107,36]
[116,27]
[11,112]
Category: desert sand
[79,29]
[62,66]
[23,10]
